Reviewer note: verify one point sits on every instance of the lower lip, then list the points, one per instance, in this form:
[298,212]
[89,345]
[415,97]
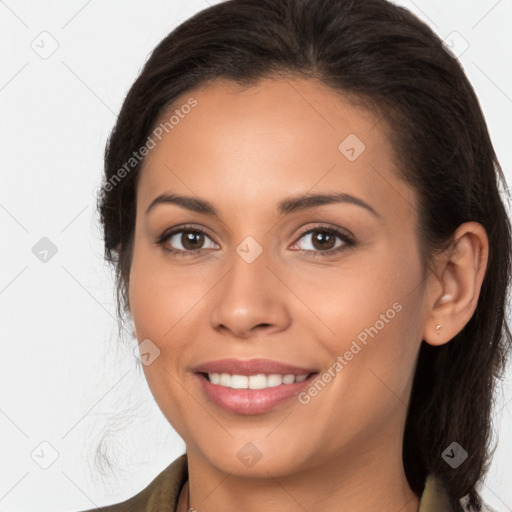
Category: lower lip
[251,401]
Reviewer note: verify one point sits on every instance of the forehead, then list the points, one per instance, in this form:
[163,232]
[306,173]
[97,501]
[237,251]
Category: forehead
[249,146]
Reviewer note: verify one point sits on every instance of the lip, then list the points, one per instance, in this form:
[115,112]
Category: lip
[251,367]
[251,401]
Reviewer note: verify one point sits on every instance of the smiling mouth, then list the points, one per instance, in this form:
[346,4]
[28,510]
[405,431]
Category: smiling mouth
[253,393]
[255,381]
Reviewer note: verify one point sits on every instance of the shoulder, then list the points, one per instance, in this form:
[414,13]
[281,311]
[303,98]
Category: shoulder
[435,498]
[160,495]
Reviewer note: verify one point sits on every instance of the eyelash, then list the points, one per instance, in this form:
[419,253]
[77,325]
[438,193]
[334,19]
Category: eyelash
[164,237]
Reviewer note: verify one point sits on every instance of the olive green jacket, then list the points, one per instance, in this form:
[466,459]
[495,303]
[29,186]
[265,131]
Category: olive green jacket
[162,494]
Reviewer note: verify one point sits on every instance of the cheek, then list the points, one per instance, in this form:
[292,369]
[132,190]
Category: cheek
[373,313]
[359,299]
[161,299]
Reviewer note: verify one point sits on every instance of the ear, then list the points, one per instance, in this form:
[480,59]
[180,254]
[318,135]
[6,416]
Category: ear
[454,291]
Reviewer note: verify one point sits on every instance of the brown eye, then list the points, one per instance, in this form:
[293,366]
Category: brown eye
[323,241]
[183,242]
[191,240]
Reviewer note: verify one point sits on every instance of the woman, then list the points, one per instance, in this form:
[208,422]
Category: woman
[301,204]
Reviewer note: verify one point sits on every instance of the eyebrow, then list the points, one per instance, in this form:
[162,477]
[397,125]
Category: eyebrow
[284,207]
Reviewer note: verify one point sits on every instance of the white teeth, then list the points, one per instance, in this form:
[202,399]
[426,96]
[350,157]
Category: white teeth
[255,381]
[225,380]
[238,381]
[274,380]
[259,381]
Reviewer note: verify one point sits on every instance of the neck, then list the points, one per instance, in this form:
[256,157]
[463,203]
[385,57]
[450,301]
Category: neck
[375,482]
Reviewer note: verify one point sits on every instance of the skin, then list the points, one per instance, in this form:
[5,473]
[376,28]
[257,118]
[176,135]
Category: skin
[244,150]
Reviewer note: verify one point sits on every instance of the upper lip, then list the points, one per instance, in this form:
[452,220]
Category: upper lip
[251,367]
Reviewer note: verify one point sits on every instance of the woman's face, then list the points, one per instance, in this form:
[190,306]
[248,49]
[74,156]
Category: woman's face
[272,279]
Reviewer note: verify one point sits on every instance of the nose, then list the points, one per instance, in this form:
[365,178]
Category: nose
[250,300]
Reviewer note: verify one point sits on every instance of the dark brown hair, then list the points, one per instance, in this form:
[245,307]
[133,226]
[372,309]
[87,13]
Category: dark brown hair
[383,55]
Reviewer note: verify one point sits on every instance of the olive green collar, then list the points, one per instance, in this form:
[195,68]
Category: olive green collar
[434,497]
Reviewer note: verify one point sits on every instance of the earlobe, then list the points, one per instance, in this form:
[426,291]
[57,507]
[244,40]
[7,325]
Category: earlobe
[436,335]
[461,275]
[443,299]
